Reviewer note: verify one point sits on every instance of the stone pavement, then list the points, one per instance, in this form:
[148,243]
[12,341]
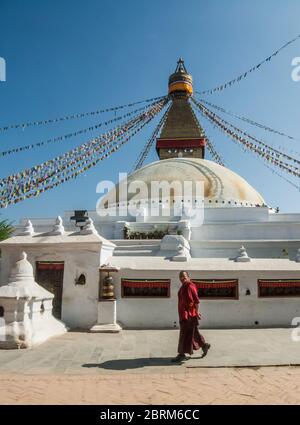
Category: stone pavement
[134,351]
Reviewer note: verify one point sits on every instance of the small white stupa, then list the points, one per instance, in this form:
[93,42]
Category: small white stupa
[89,228]
[28,229]
[58,228]
[242,256]
[26,309]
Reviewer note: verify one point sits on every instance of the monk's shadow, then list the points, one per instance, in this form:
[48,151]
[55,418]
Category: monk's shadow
[123,364]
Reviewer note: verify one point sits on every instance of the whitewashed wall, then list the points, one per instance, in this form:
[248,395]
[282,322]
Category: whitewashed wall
[244,312]
[255,248]
[79,303]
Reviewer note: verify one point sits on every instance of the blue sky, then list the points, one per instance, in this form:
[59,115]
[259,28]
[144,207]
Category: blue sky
[66,56]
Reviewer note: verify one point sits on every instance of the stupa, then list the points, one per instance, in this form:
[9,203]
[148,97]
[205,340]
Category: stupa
[26,309]
[242,253]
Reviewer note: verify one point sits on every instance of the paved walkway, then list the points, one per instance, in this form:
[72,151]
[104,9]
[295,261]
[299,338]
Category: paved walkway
[134,367]
[147,351]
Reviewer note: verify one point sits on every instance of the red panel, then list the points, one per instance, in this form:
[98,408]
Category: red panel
[278,284]
[50,266]
[216,284]
[180,143]
[145,284]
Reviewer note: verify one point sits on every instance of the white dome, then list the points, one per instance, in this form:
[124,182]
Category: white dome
[221,185]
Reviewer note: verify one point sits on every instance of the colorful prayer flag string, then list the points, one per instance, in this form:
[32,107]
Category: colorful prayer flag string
[32,187]
[264,163]
[249,71]
[247,120]
[211,146]
[267,154]
[73,134]
[85,148]
[265,147]
[212,150]
[143,155]
[76,116]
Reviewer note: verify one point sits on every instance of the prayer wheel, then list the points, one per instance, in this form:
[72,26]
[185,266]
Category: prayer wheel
[108,291]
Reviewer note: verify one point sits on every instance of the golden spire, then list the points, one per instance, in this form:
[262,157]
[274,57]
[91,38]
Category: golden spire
[180,82]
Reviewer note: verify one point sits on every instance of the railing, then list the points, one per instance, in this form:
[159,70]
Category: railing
[149,231]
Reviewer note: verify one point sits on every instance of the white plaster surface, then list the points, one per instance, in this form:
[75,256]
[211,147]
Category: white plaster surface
[232,218]
[27,309]
[80,254]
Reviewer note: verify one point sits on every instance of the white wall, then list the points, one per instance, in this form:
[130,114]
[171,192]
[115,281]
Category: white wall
[79,303]
[244,312]
[233,222]
[255,249]
[247,231]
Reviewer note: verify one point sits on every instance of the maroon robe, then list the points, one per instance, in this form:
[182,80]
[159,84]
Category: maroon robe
[190,338]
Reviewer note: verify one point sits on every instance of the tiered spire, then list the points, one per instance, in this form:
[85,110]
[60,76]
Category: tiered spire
[181,135]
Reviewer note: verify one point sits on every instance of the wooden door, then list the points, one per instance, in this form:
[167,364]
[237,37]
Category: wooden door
[50,276]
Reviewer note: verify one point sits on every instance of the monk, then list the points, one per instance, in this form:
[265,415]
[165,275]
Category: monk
[188,310]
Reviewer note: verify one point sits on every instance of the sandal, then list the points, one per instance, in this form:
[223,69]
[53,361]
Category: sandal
[179,358]
[205,349]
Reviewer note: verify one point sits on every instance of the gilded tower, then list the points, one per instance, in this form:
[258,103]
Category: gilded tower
[181,135]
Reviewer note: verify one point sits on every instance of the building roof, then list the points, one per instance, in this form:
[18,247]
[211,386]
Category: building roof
[47,238]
